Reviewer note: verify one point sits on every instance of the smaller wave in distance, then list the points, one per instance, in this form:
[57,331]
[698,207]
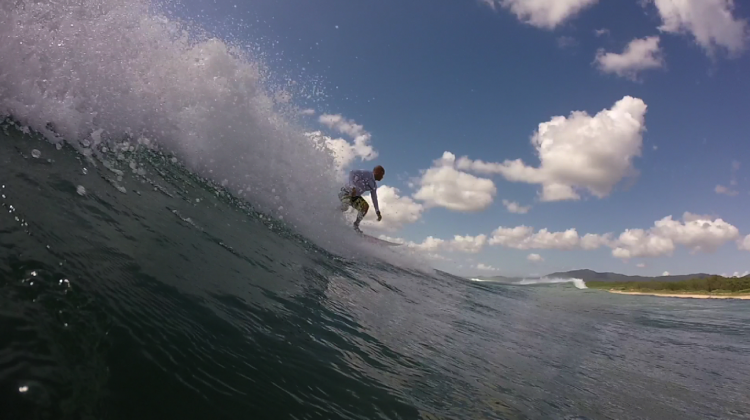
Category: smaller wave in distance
[578,283]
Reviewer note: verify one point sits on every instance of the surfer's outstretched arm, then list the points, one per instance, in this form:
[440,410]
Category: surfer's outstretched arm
[374,195]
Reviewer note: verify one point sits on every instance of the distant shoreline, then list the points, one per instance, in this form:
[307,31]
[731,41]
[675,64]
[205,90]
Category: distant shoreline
[683,295]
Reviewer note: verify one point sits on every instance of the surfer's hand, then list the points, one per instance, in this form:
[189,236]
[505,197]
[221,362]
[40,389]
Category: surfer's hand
[379,217]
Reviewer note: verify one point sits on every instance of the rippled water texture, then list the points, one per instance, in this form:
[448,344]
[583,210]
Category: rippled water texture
[160,296]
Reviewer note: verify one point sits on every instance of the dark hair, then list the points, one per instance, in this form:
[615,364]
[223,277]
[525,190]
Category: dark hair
[379,169]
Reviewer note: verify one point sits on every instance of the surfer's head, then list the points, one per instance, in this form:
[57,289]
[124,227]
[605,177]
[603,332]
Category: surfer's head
[378,172]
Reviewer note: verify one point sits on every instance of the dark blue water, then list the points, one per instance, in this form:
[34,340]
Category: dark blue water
[168,298]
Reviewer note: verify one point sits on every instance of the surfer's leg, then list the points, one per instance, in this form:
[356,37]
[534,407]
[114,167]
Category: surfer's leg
[361,206]
[346,199]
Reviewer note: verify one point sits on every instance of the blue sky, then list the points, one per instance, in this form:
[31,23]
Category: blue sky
[477,78]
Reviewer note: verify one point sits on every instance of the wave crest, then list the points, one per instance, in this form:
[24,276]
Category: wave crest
[100,73]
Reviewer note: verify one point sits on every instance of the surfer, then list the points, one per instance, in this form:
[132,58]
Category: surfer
[360,182]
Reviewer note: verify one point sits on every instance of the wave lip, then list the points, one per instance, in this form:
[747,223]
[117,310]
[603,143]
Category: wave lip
[107,75]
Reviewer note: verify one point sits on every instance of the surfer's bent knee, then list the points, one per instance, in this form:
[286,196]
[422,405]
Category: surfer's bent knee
[361,205]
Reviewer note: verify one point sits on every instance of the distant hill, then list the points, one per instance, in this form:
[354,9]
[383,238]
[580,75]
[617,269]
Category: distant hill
[590,275]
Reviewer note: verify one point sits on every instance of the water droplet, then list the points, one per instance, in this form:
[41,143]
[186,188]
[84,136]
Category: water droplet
[81,190]
[23,389]
[58,146]
[85,171]
[36,153]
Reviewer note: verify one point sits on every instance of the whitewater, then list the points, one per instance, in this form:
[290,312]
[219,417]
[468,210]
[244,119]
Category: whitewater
[111,78]
[170,248]
[578,283]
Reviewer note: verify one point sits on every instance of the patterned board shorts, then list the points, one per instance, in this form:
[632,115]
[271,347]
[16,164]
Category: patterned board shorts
[359,203]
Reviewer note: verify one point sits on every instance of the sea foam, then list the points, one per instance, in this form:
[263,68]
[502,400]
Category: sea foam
[109,77]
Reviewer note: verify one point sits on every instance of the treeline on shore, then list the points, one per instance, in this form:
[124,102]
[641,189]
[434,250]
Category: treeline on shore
[713,284]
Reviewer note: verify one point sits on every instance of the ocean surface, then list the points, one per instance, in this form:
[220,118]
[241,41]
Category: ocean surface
[169,250]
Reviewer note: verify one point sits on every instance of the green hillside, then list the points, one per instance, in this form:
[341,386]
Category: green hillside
[710,284]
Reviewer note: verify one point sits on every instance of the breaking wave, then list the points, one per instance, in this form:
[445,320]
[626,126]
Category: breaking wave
[580,284]
[113,78]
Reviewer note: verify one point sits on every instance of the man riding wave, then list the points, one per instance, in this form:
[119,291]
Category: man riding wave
[360,182]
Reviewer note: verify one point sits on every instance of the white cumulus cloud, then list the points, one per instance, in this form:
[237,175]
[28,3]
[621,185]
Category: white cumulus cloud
[639,55]
[591,241]
[535,258]
[735,168]
[397,210]
[485,267]
[580,152]
[360,136]
[430,244]
[344,151]
[697,233]
[514,207]
[546,14]
[524,237]
[720,189]
[468,244]
[711,23]
[445,186]
[641,243]
[745,244]
[427,248]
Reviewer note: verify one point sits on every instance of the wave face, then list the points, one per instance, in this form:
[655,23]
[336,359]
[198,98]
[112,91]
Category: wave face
[111,77]
[167,251]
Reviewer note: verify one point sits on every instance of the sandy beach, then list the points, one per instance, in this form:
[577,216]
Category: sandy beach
[684,295]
